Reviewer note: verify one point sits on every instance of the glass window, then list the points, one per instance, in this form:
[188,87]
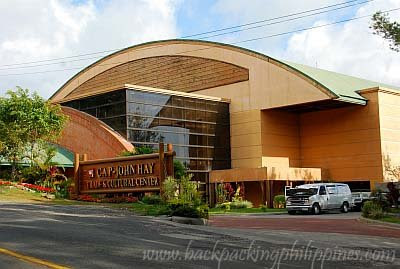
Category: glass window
[136,108]
[331,189]
[322,190]
[190,103]
[211,117]
[200,115]
[177,113]
[190,114]
[166,112]
[193,165]
[211,106]
[177,101]
[201,104]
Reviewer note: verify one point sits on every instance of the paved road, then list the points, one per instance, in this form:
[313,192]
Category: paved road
[327,223]
[96,237]
[8,262]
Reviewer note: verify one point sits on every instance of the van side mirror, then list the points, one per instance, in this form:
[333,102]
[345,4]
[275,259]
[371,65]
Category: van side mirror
[322,192]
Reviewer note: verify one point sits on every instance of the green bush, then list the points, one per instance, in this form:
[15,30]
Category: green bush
[179,169]
[152,199]
[241,204]
[224,206]
[372,210]
[33,174]
[62,188]
[189,211]
[279,201]
[183,191]
[264,208]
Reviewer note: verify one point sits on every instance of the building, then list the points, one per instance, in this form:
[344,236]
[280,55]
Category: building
[287,123]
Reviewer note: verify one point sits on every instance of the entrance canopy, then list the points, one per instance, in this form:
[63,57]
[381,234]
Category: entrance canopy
[265,173]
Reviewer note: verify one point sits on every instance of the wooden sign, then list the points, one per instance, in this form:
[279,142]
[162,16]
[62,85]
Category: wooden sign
[140,173]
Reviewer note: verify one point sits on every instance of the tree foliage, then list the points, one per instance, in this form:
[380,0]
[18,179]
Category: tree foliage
[27,124]
[390,31]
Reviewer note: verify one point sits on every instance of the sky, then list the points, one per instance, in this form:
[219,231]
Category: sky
[34,31]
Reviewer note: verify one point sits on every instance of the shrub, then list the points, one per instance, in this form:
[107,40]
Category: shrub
[62,188]
[221,194]
[137,151]
[241,204]
[152,199]
[224,206]
[189,211]
[179,169]
[170,191]
[372,210]
[33,174]
[182,191]
[279,201]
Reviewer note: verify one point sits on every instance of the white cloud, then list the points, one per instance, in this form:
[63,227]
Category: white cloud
[350,48]
[35,30]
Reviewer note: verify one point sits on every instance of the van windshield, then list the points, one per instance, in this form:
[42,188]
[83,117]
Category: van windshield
[302,192]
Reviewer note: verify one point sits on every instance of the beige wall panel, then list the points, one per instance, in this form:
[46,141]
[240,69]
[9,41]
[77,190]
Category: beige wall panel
[356,173]
[246,163]
[275,162]
[280,135]
[237,93]
[389,111]
[246,152]
[253,127]
[336,138]
[345,142]
[359,160]
[280,140]
[245,117]
[246,140]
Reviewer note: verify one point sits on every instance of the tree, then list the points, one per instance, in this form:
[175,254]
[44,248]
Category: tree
[27,124]
[393,174]
[390,31]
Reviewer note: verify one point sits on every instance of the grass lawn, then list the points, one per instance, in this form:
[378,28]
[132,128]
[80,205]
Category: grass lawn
[16,195]
[392,219]
[215,211]
[138,208]
[13,194]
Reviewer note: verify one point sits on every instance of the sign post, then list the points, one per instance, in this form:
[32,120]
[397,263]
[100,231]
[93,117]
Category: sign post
[140,173]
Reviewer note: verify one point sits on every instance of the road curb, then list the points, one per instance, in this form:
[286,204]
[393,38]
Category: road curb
[31,259]
[247,214]
[384,223]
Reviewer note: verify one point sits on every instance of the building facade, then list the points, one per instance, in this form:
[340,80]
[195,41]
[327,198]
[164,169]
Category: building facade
[197,126]
[288,123]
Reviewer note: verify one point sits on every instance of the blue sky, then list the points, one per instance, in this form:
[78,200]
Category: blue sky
[59,28]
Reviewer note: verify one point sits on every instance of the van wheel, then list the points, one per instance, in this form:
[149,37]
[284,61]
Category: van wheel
[316,209]
[345,208]
[292,212]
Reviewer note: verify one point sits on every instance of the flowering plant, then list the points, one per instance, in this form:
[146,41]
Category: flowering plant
[38,188]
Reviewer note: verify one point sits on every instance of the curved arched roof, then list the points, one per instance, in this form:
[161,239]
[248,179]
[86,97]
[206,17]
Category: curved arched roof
[337,86]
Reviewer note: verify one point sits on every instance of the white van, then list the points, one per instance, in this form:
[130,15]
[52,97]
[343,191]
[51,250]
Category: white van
[315,198]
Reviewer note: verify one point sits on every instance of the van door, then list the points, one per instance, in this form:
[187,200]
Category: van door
[323,198]
[333,199]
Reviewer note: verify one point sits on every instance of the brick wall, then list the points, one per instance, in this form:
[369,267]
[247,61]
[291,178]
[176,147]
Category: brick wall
[86,134]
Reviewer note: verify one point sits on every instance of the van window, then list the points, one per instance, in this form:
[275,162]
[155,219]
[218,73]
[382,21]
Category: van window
[322,190]
[331,189]
[343,190]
